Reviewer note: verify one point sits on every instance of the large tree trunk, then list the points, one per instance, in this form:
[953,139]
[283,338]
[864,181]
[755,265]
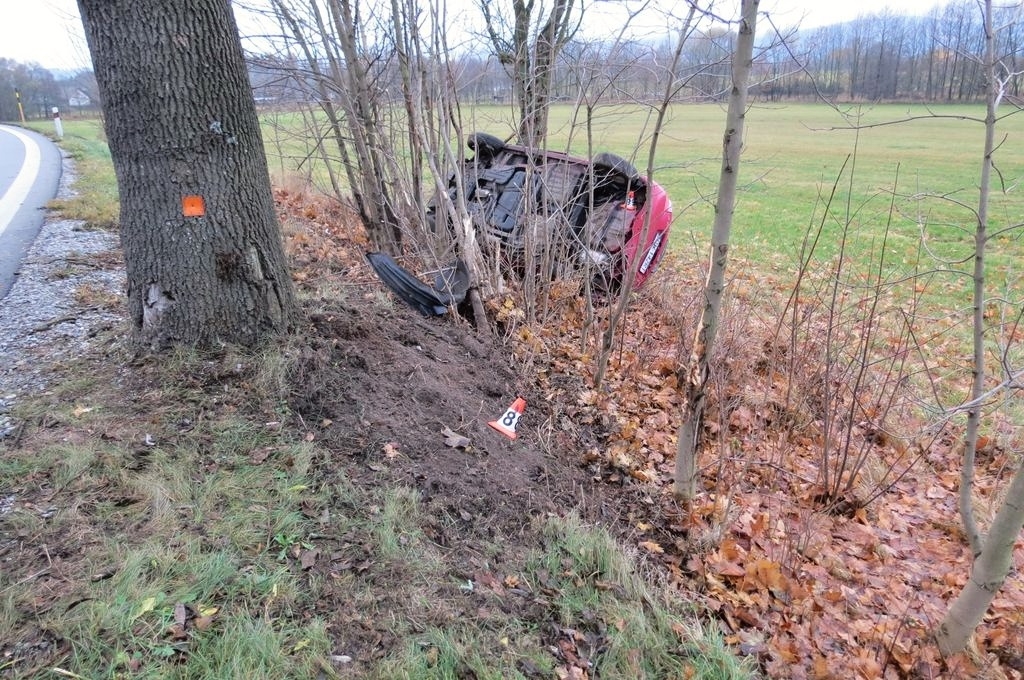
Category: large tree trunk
[698,369]
[203,251]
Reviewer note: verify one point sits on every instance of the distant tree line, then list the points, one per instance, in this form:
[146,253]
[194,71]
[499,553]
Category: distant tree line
[878,57]
[40,90]
[889,57]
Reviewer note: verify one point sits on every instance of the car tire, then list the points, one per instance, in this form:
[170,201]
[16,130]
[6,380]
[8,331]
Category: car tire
[483,143]
[611,162]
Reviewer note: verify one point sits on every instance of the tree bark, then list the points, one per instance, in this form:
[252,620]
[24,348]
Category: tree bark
[203,252]
[696,373]
[987,574]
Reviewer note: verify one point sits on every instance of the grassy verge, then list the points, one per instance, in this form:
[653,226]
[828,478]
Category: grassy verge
[95,188]
[597,609]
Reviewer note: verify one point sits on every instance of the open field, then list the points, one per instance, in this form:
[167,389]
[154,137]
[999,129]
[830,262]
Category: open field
[794,154]
[910,173]
[913,171]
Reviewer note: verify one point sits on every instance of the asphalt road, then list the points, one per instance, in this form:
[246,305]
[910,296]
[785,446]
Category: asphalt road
[30,167]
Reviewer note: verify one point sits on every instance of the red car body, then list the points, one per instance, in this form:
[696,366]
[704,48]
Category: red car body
[598,215]
[599,207]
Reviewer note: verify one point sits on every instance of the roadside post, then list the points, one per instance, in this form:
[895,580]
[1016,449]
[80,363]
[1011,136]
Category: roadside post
[58,126]
[21,111]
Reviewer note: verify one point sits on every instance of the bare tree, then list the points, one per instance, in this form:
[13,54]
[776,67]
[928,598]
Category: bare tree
[698,367]
[993,554]
[346,64]
[528,49]
[203,251]
[672,84]
[33,85]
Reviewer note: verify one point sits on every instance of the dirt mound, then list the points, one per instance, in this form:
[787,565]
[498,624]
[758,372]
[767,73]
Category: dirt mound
[410,398]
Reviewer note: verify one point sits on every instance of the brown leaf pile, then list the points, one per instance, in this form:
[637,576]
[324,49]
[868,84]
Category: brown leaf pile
[811,591]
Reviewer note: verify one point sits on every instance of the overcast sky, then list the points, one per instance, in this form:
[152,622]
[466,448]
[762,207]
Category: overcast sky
[49,32]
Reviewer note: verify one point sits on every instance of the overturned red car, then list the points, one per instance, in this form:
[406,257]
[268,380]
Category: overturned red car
[593,214]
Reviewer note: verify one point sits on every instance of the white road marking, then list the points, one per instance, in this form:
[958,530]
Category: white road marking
[15,196]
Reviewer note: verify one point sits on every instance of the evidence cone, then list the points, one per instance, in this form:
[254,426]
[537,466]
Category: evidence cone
[506,424]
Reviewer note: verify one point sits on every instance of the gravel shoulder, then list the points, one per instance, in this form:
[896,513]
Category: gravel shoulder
[64,293]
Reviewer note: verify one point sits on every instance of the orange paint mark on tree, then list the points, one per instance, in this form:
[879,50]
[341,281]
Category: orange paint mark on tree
[193,206]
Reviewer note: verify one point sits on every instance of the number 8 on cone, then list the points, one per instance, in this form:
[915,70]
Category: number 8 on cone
[508,421]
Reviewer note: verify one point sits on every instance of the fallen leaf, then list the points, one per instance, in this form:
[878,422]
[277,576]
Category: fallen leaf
[202,622]
[180,613]
[652,547]
[454,439]
[729,569]
[177,632]
[148,605]
[489,580]
[308,558]
[260,455]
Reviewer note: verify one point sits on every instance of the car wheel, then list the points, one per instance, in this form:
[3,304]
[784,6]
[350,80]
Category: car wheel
[617,164]
[483,143]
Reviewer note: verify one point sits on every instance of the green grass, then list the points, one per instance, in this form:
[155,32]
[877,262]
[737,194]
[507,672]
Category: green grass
[793,155]
[96,202]
[207,547]
[600,602]
[190,505]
